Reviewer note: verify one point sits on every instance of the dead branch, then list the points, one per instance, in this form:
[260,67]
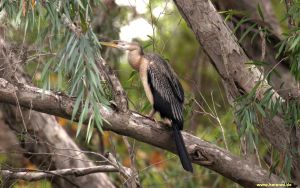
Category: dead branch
[35,175]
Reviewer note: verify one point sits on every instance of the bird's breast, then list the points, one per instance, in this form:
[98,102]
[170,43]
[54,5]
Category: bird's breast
[143,70]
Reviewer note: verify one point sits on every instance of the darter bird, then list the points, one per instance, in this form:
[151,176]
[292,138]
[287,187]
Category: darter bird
[162,89]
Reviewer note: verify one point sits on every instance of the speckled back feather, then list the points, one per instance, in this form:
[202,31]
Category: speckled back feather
[164,81]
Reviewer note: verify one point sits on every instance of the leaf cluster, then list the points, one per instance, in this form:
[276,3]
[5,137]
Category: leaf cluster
[78,52]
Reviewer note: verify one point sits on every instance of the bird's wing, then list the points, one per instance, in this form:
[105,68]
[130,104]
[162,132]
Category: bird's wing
[163,80]
[168,73]
[175,84]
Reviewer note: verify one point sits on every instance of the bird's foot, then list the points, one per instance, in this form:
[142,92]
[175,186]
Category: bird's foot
[167,122]
[151,114]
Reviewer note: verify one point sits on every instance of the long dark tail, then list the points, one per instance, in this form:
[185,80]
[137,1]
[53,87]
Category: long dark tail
[181,150]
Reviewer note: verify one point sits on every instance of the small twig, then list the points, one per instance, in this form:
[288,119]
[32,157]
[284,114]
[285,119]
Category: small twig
[257,154]
[219,121]
[70,25]
[213,114]
[263,43]
[288,4]
[163,11]
[35,175]
[31,58]
[148,167]
[134,171]
[20,111]
[124,171]
[170,38]
[283,59]
[153,26]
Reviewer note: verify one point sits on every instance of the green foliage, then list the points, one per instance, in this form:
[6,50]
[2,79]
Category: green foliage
[287,167]
[294,11]
[230,13]
[247,117]
[249,112]
[76,62]
[289,47]
[245,27]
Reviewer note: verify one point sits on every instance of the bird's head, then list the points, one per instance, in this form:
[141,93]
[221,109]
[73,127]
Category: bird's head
[122,45]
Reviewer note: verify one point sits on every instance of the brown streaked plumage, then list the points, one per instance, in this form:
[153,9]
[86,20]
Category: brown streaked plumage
[162,89]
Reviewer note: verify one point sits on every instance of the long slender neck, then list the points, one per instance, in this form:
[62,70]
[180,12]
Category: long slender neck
[135,58]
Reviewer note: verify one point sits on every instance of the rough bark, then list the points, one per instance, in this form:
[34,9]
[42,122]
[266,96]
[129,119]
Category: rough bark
[143,129]
[41,134]
[221,46]
[284,83]
[229,59]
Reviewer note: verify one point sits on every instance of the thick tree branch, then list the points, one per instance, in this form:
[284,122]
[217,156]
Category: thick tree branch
[143,129]
[33,175]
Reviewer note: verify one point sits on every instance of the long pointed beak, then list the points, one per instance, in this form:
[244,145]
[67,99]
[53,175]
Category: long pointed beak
[110,44]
